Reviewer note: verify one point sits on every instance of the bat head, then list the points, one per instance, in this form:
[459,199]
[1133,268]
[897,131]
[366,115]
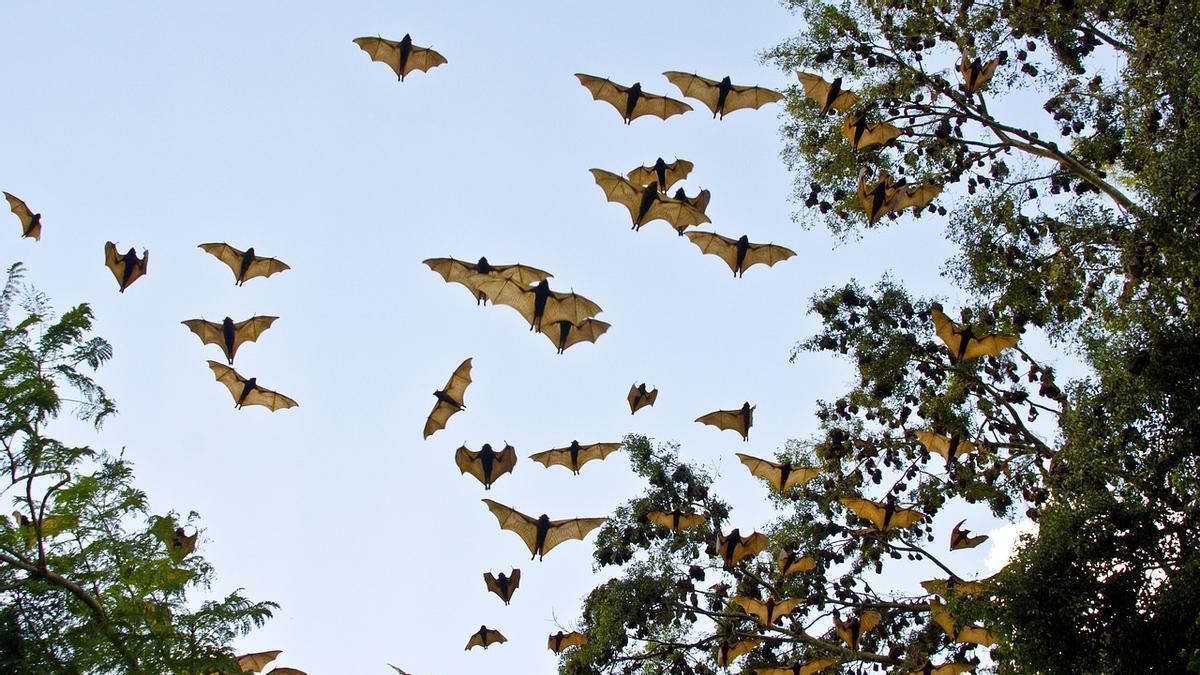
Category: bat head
[406,40]
[636,88]
[482,266]
[744,241]
[660,165]
[575,445]
[228,322]
[487,447]
[543,520]
[726,82]
[131,253]
[680,194]
[250,252]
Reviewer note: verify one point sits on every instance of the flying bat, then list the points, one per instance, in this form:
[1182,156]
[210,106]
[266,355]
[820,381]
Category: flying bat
[863,135]
[244,264]
[467,273]
[565,334]
[810,668]
[485,637]
[229,335]
[53,525]
[961,538]
[247,392]
[178,542]
[770,612]
[829,95]
[665,175]
[791,562]
[883,516]
[736,420]
[851,631]
[631,102]
[126,267]
[721,97]
[398,670]
[944,669]
[781,476]
[560,641]
[646,204]
[962,341]
[887,196]
[31,223]
[286,671]
[969,634]
[575,455]
[951,587]
[541,534]
[699,202]
[734,548]
[676,520]
[639,397]
[403,57]
[975,73]
[252,663]
[449,399]
[950,448]
[739,254]
[486,465]
[726,652]
[503,586]
[540,305]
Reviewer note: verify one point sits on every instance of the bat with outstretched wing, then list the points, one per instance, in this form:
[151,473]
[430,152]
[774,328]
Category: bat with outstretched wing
[541,534]
[487,465]
[781,476]
[828,95]
[31,223]
[244,264]
[949,447]
[852,630]
[665,175]
[876,196]
[769,612]
[912,196]
[951,587]
[791,562]
[733,548]
[178,542]
[540,305]
[485,637]
[574,456]
[229,335]
[699,202]
[721,97]
[639,397]
[286,671]
[884,517]
[944,669]
[739,420]
[810,668]
[468,274]
[560,641]
[968,634]
[504,585]
[863,134]
[631,102]
[252,663]
[126,267]
[676,520]
[960,537]
[565,334]
[962,341]
[646,204]
[402,57]
[726,652]
[739,253]
[247,392]
[975,73]
[449,399]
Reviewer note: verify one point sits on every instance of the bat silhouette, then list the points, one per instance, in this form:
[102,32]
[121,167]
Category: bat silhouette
[736,420]
[734,548]
[810,668]
[449,399]
[541,534]
[887,196]
[484,637]
[575,455]
[665,175]
[639,397]
[646,204]
[631,102]
[565,334]
[949,447]
[252,663]
[560,641]
[540,305]
[403,57]
[851,631]
[247,392]
[962,341]
[863,135]
[975,73]
[770,612]
[31,223]
[721,97]
[726,652]
[780,476]
[791,562]
[883,516]
[503,586]
[828,95]
[244,264]
[944,669]
[468,274]
[229,335]
[486,465]
[126,267]
[739,254]
[952,587]
[961,538]
[699,202]
[676,520]
[968,634]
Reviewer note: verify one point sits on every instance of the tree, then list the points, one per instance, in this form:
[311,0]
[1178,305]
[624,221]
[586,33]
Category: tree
[1092,240]
[90,580]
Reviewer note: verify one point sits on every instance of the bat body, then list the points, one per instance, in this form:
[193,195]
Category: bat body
[560,641]
[402,57]
[884,517]
[851,631]
[699,202]
[780,476]
[887,196]
[962,342]
[810,668]
[247,392]
[540,305]
[949,447]
[252,663]
[727,652]
[646,204]
[739,254]
[631,102]
[468,274]
[126,267]
[863,135]
[961,538]
[769,612]
[485,637]
[968,634]
[721,97]
[503,586]
[734,548]
[541,534]
[245,264]
[575,455]
[487,465]
[975,73]
[639,397]
[449,399]
[31,223]
[793,563]
[565,334]
[229,335]
[828,95]
[662,173]
[735,420]
[676,520]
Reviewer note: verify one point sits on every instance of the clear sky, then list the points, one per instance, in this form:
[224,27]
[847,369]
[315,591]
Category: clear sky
[166,125]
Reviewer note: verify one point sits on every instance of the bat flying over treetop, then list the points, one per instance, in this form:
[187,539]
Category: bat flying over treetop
[828,95]
[962,341]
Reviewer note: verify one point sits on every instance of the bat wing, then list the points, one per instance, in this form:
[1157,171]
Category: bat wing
[286,671]
[687,520]
[948,588]
[902,518]
[916,196]
[637,402]
[935,443]
[750,546]
[423,59]
[113,261]
[492,584]
[515,521]
[450,269]
[810,668]
[815,86]
[271,400]
[510,293]
[208,332]
[549,458]
[380,49]
[702,89]
[398,670]
[570,307]
[28,228]
[603,89]
[725,419]
[264,267]
[226,254]
[947,331]
[875,134]
[989,345]
[749,97]
[573,639]
[949,669]
[456,388]
[755,608]
[437,418]
[597,451]
[770,471]
[252,663]
[522,274]
[793,565]
[619,190]
[658,106]
[228,377]
[712,243]
[765,254]
[475,641]
[249,330]
[735,650]
[675,172]
[589,330]
[868,621]
[960,538]
[678,213]
[468,462]
[867,510]
[975,635]
[565,530]
[504,463]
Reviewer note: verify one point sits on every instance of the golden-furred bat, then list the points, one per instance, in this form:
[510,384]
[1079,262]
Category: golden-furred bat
[646,204]
[883,516]
[969,634]
[780,476]
[962,341]
[975,73]
[503,586]
[733,548]
[541,534]
[631,102]
[560,641]
[485,637]
[739,253]
[944,669]
[852,630]
[699,202]
[487,465]
[126,267]
[829,95]
[538,304]
[722,97]
[247,392]
[665,175]
[52,526]
[810,668]
[738,420]
[229,335]
[949,447]
[791,562]
[178,542]
[403,57]
[31,223]
[574,456]
[676,520]
[286,671]
[639,397]
[874,197]
[769,612]
[960,537]
[726,652]
[449,399]
[951,587]
[244,264]
[252,663]
[468,274]
[565,334]
[863,135]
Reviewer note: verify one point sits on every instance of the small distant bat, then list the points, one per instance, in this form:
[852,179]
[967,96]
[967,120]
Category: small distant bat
[541,534]
[962,341]
[739,254]
[229,335]
[449,399]
[244,264]
[565,334]
[538,304]
[968,634]
[961,537]
[734,548]
[949,447]
[247,392]
[398,670]
[403,57]
[646,204]
[484,637]
[665,175]
[639,397]
[252,663]
[726,652]
[887,196]
[561,641]
[852,630]
[503,586]
[810,668]
[631,102]
[721,97]
[735,420]
[699,202]
[575,455]
[783,476]
[791,562]
[883,516]
[178,542]
[676,520]
[126,267]
[31,223]
[975,73]
[486,465]
[863,135]
[828,95]
[769,612]
[951,587]
[944,669]
[468,274]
